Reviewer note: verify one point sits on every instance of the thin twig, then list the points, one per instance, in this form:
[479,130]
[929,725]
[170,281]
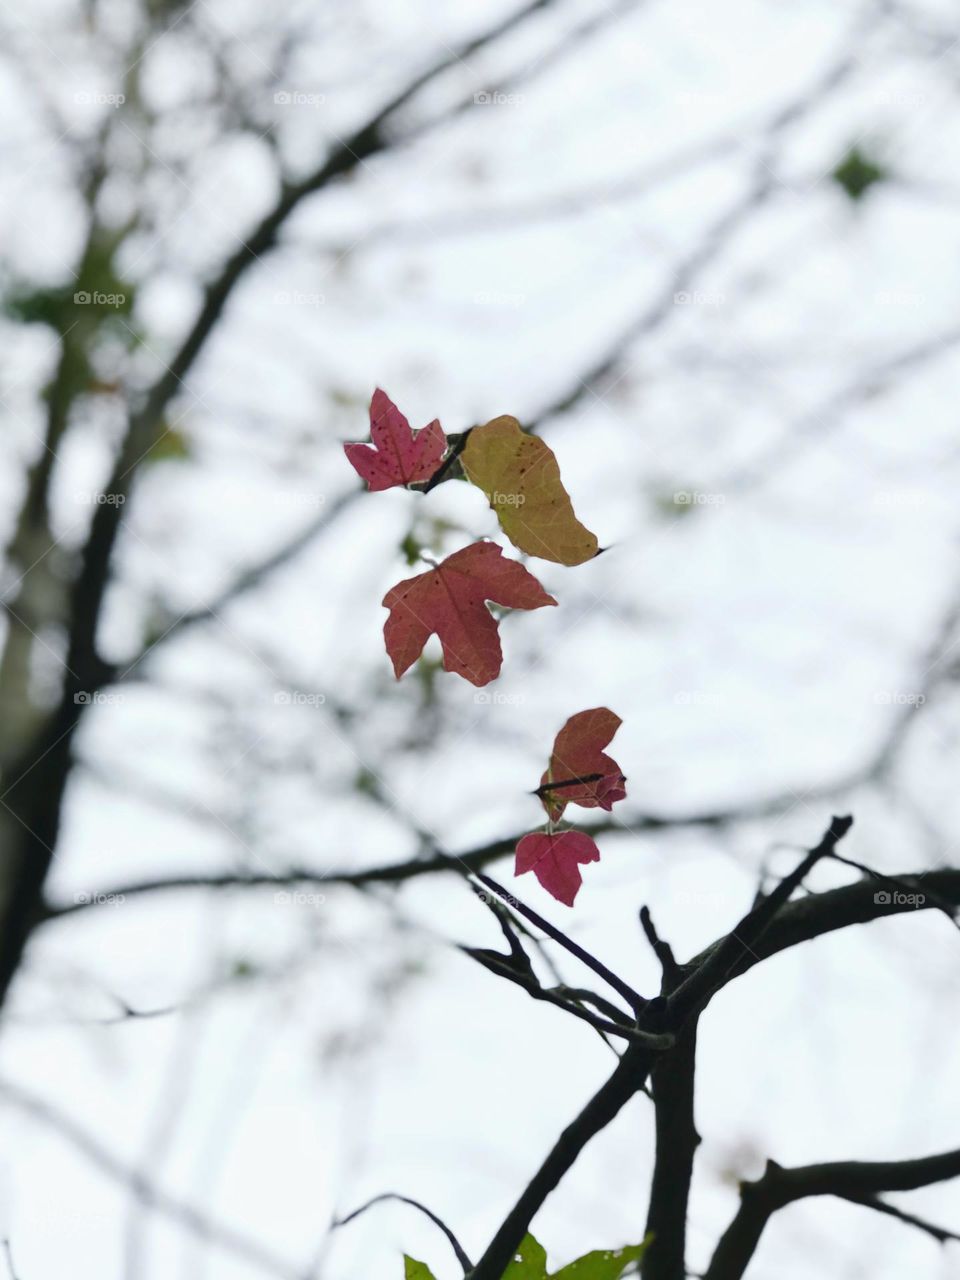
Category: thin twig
[859,1182]
[445,469]
[940,1234]
[710,975]
[569,782]
[633,998]
[455,1244]
[662,950]
[503,967]
[8,1255]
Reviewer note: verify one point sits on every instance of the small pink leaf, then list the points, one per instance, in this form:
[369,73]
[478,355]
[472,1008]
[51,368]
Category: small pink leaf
[398,455]
[554,858]
[578,754]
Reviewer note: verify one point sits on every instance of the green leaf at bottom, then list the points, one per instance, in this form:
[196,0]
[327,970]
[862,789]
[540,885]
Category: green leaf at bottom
[414,1270]
[602,1264]
[529,1263]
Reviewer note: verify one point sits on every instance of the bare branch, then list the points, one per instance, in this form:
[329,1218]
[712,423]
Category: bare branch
[627,1079]
[633,998]
[715,969]
[503,967]
[8,1256]
[771,926]
[811,917]
[858,1182]
[662,950]
[470,860]
[948,908]
[676,1143]
[415,1204]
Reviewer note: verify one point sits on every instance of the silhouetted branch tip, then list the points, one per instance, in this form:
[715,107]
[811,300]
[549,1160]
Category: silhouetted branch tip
[388,1196]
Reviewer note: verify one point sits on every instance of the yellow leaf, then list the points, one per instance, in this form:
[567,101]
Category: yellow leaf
[520,476]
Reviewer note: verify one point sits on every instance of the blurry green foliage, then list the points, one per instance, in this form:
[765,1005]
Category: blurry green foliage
[411,548]
[857,172]
[171,446]
[530,1263]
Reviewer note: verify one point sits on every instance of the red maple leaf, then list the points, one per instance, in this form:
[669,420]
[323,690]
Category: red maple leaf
[554,858]
[448,601]
[587,776]
[398,455]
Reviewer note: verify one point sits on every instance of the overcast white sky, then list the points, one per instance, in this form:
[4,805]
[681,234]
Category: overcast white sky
[761,640]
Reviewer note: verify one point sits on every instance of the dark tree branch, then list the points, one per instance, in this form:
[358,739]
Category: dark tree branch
[711,974]
[448,467]
[503,967]
[773,925]
[676,1138]
[661,949]
[676,1142]
[470,860]
[856,1181]
[517,968]
[582,995]
[801,920]
[948,908]
[808,918]
[940,1234]
[627,1079]
[546,787]
[633,998]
